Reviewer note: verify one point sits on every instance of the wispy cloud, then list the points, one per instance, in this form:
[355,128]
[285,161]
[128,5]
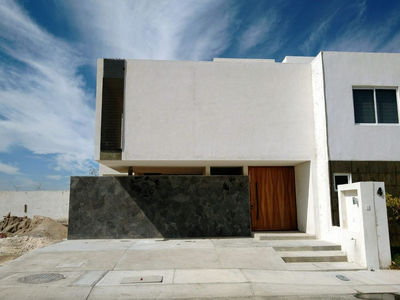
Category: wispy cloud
[9,169]
[350,28]
[362,35]
[140,29]
[54,177]
[25,183]
[392,45]
[259,31]
[317,35]
[42,99]
[355,36]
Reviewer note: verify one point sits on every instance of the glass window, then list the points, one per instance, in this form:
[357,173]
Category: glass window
[364,110]
[226,170]
[341,179]
[386,104]
[375,106]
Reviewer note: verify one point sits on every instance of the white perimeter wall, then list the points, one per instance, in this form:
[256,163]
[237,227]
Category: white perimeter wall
[52,204]
[320,167]
[218,111]
[348,141]
[363,232]
[305,198]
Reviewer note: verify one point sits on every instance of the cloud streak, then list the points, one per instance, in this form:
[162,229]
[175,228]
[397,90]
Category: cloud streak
[359,34]
[166,30]
[260,31]
[54,177]
[43,101]
[9,169]
[317,35]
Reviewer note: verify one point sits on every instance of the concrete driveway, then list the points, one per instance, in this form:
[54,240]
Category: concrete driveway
[190,268]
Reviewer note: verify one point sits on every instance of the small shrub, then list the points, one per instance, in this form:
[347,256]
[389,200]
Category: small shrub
[393,212]
[395,258]
[393,208]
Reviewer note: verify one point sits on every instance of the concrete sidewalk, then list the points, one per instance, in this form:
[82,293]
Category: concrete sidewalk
[191,268]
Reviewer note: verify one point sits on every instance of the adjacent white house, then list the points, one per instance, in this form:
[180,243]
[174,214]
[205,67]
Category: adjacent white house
[298,128]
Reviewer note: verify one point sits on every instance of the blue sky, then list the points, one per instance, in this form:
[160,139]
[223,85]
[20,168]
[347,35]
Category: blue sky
[48,52]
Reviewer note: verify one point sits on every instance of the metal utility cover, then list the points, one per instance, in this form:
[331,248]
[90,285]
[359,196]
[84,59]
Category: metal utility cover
[142,279]
[41,278]
[342,277]
[70,265]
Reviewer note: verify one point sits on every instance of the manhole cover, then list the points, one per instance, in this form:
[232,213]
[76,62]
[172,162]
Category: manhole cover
[41,278]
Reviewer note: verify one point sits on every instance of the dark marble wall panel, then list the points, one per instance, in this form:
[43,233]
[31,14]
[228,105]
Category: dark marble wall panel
[159,206]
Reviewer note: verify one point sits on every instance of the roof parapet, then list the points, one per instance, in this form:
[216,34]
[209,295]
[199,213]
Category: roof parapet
[298,59]
[243,60]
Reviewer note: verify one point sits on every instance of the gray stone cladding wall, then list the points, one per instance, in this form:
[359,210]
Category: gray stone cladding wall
[176,206]
[386,171]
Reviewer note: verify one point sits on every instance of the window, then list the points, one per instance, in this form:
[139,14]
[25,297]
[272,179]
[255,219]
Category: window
[375,106]
[112,109]
[341,179]
[226,170]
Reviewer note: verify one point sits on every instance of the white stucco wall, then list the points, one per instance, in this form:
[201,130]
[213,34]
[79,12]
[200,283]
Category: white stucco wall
[304,198]
[52,204]
[193,111]
[106,171]
[99,95]
[348,141]
[320,166]
[298,59]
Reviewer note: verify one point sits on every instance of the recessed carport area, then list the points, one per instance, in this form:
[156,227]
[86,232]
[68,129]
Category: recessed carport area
[183,204]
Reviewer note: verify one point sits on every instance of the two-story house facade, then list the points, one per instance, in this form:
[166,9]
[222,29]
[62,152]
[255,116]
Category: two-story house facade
[267,143]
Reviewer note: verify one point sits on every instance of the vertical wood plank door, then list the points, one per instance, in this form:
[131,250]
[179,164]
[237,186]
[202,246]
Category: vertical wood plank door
[272,198]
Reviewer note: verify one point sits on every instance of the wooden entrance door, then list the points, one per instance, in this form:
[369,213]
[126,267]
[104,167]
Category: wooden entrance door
[272,198]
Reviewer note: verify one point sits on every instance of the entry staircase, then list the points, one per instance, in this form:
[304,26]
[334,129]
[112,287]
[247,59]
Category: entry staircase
[303,252]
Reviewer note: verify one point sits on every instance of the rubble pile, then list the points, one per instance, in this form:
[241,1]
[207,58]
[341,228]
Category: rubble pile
[19,235]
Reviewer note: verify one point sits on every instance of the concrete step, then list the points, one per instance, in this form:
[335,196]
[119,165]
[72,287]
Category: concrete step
[281,235]
[308,248]
[286,245]
[324,266]
[313,256]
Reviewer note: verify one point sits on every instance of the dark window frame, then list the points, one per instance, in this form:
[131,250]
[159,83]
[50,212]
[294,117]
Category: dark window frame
[376,103]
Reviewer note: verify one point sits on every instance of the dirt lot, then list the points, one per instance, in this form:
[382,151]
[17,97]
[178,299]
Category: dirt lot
[24,234]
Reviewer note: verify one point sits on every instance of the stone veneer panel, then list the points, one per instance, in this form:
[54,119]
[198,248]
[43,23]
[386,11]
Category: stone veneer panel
[159,206]
[386,171]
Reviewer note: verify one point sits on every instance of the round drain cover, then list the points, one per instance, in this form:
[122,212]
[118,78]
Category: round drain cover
[41,278]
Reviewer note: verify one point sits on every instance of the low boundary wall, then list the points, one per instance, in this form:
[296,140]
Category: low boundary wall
[159,206]
[363,232]
[52,204]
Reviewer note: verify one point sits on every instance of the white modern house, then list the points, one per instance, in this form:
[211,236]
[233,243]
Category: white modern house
[296,129]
